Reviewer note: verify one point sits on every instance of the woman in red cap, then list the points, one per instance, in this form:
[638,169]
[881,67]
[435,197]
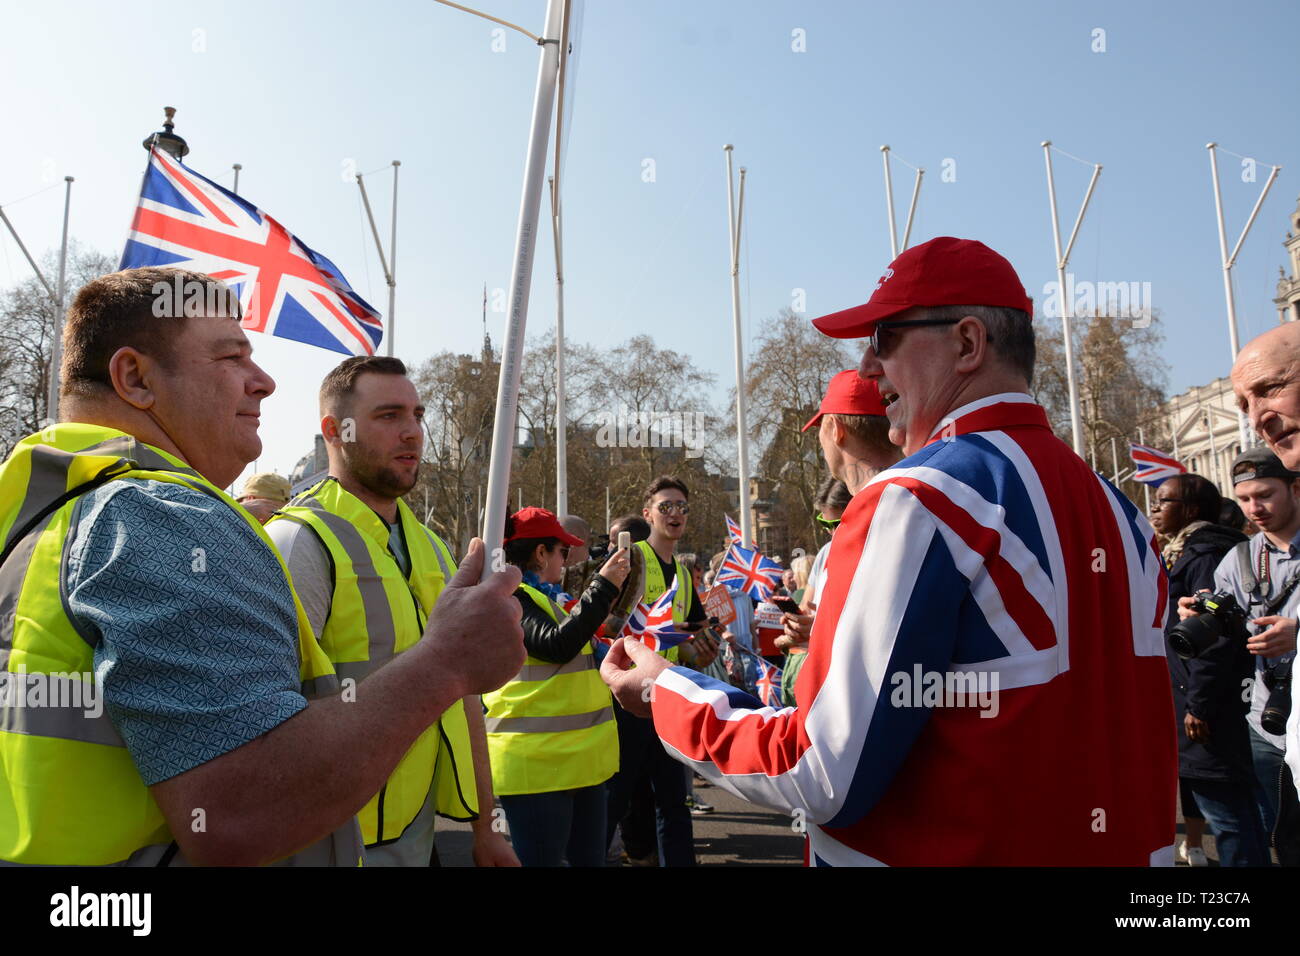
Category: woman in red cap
[551,731]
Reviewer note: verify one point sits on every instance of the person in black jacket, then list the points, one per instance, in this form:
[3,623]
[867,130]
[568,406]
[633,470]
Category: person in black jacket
[1214,757]
[551,732]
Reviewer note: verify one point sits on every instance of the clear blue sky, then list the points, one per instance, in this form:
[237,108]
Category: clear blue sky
[296,90]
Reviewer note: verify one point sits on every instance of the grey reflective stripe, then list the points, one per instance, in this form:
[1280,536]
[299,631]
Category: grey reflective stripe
[70,721]
[357,670]
[49,472]
[548,725]
[442,562]
[145,856]
[380,628]
[343,847]
[48,480]
[12,574]
[579,662]
[326,685]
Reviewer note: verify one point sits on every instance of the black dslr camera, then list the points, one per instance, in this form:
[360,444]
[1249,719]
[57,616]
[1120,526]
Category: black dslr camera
[1278,706]
[1216,615]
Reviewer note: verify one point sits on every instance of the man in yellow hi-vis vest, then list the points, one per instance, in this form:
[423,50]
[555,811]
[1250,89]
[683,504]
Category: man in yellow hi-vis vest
[165,617]
[640,752]
[369,573]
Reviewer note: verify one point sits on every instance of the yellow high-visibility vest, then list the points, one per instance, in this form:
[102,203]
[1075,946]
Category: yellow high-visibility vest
[69,790]
[655,586]
[376,612]
[552,727]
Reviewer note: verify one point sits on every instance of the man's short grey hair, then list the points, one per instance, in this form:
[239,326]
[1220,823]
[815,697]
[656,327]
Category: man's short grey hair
[1010,332]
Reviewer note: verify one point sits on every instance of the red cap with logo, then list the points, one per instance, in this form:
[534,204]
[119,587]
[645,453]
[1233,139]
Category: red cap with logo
[848,394]
[943,271]
[539,523]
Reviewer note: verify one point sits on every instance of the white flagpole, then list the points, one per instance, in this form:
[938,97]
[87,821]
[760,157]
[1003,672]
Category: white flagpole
[1062,260]
[392,272]
[735,215]
[1227,262]
[56,347]
[237,167]
[889,205]
[911,209]
[561,411]
[503,428]
[35,268]
[383,261]
[1146,489]
[561,422]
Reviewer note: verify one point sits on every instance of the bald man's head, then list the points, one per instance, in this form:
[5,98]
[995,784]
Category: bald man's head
[1266,380]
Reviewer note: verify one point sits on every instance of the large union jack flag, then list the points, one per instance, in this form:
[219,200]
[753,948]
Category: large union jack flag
[749,571]
[1153,466]
[653,624]
[284,287]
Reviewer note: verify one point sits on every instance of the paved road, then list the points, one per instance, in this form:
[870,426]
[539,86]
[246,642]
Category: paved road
[737,833]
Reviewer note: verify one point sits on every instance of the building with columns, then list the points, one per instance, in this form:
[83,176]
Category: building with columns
[1206,436]
[1288,287]
[1203,419]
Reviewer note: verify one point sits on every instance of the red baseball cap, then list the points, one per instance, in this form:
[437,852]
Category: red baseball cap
[539,523]
[943,271]
[848,394]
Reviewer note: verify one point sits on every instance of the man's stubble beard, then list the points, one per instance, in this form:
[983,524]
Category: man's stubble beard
[377,479]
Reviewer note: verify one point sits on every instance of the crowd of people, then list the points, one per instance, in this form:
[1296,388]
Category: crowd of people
[313,680]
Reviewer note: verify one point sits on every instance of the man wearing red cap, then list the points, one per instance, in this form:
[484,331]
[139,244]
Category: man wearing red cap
[854,435]
[986,682]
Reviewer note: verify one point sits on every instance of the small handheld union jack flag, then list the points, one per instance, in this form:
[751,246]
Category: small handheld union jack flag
[653,625]
[733,531]
[750,572]
[285,288]
[768,683]
[1153,466]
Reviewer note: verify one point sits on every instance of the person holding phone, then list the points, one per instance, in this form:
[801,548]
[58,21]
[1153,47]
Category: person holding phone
[551,733]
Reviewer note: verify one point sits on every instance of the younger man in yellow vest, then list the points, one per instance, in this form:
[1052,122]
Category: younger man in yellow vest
[368,573]
[640,752]
[126,574]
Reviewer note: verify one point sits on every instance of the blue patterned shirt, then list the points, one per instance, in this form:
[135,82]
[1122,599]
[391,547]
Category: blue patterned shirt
[197,650]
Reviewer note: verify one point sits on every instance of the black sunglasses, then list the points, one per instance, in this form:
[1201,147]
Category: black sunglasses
[880,338]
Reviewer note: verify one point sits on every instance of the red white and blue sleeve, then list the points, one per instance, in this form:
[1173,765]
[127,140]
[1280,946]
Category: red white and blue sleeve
[892,605]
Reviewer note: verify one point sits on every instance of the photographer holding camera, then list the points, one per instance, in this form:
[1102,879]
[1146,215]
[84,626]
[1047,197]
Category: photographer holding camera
[1209,664]
[1261,577]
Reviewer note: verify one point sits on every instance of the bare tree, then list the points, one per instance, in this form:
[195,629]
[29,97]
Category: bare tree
[27,315]
[459,395]
[791,365]
[1121,381]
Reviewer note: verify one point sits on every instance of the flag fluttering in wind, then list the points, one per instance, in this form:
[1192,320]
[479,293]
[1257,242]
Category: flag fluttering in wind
[653,624]
[285,288]
[1153,466]
[733,532]
[749,571]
